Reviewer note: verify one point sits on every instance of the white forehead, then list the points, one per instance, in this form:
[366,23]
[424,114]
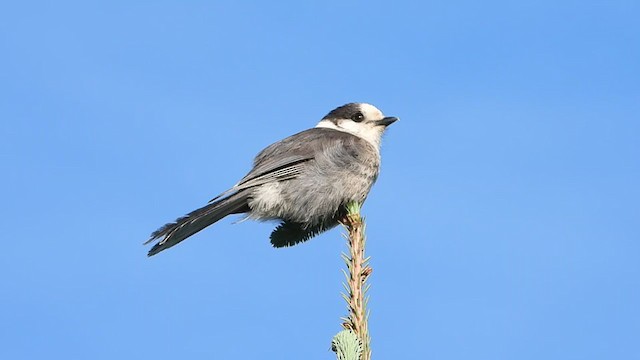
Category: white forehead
[370,112]
[367,130]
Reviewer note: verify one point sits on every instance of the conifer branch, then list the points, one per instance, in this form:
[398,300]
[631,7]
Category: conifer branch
[356,286]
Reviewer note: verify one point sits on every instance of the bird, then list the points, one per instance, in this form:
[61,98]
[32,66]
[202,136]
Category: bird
[304,181]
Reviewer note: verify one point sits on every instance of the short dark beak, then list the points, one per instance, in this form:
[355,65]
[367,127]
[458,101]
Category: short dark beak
[387,121]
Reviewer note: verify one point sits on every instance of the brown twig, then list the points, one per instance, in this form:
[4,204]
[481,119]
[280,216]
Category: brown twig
[356,287]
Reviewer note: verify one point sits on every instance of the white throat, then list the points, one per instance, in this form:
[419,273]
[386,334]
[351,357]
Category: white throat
[370,133]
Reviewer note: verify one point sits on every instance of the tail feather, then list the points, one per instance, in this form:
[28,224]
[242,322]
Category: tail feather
[173,233]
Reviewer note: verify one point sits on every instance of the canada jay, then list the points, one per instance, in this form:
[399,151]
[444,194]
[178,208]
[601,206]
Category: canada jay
[304,181]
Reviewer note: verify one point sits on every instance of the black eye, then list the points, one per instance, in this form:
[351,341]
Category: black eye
[357,117]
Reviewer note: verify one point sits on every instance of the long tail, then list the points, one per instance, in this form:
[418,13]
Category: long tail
[173,233]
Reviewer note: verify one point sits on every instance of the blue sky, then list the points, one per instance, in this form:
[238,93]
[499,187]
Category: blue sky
[504,225]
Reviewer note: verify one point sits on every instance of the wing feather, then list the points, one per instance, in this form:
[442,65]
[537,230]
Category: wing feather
[287,158]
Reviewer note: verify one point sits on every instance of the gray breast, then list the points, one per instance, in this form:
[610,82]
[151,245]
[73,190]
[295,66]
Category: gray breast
[343,169]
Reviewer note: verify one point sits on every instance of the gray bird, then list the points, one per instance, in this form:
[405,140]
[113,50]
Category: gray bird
[304,180]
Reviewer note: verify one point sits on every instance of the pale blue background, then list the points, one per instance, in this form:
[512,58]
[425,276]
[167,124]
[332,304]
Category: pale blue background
[504,225]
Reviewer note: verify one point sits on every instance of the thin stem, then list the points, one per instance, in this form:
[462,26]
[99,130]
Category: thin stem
[359,271]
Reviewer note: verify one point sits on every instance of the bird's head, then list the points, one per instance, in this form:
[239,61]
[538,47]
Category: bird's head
[360,119]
